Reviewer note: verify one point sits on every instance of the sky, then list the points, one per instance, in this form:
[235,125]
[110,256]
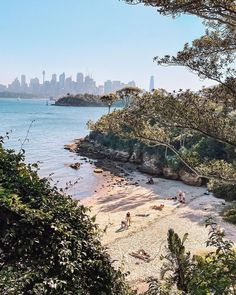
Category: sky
[107,39]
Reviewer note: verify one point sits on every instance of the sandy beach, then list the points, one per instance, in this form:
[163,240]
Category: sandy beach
[118,195]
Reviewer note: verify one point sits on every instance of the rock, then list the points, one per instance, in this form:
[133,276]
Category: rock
[190,178]
[170,173]
[122,156]
[150,168]
[71,147]
[150,165]
[75,166]
[97,170]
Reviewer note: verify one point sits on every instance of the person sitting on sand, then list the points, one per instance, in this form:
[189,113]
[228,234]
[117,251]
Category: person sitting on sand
[150,181]
[172,198]
[182,197]
[123,224]
[158,207]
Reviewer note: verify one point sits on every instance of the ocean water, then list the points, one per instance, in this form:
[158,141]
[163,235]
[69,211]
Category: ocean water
[53,127]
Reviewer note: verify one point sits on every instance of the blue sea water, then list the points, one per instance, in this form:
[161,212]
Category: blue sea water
[53,127]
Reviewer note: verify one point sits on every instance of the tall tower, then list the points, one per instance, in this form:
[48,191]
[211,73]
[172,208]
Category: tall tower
[152,84]
[23,84]
[43,77]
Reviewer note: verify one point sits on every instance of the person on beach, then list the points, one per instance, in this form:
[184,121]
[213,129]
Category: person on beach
[128,218]
[127,222]
[150,181]
[181,197]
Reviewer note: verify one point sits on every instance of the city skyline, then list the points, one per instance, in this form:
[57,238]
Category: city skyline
[107,39]
[61,84]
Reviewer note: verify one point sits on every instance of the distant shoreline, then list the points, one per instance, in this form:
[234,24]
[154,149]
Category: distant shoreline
[17,95]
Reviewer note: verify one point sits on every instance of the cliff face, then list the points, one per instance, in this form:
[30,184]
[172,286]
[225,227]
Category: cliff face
[80,100]
[150,160]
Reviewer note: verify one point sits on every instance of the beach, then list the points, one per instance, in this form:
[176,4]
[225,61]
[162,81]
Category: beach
[119,194]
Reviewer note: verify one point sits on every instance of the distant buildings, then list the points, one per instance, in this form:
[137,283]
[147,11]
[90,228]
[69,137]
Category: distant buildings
[152,84]
[62,85]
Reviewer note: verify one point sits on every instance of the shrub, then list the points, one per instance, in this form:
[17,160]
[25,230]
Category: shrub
[224,191]
[230,215]
[48,244]
[184,274]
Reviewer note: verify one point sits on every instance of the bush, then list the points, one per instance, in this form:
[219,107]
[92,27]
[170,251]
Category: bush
[48,244]
[230,215]
[184,274]
[224,191]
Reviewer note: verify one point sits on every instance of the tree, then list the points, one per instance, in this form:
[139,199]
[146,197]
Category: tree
[162,118]
[214,10]
[128,95]
[109,99]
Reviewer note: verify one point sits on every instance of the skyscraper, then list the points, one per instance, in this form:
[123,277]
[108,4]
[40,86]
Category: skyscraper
[43,76]
[108,86]
[15,86]
[80,78]
[54,78]
[23,84]
[62,81]
[132,84]
[152,84]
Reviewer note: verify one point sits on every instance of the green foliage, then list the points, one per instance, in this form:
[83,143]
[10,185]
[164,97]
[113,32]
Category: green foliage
[230,214]
[80,100]
[224,191]
[173,162]
[208,149]
[109,99]
[183,273]
[48,244]
[177,269]
[216,272]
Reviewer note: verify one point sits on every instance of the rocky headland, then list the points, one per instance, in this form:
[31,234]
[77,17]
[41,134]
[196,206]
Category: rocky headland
[144,159]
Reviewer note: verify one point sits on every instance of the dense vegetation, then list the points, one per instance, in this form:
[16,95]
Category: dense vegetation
[48,244]
[80,100]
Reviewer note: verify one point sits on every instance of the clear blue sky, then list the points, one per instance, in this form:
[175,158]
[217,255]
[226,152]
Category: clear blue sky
[106,38]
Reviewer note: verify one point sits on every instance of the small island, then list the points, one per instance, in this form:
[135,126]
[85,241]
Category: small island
[80,100]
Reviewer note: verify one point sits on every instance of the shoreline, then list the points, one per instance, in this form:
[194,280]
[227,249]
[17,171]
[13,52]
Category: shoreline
[124,189]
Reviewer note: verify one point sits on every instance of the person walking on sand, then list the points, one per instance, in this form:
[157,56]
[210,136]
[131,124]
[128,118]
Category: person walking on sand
[127,222]
[128,219]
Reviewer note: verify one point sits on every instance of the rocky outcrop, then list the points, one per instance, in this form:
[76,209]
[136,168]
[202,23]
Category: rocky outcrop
[121,156]
[170,173]
[148,160]
[150,165]
[189,178]
[72,147]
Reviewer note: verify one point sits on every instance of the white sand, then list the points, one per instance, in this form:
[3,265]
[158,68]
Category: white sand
[115,198]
